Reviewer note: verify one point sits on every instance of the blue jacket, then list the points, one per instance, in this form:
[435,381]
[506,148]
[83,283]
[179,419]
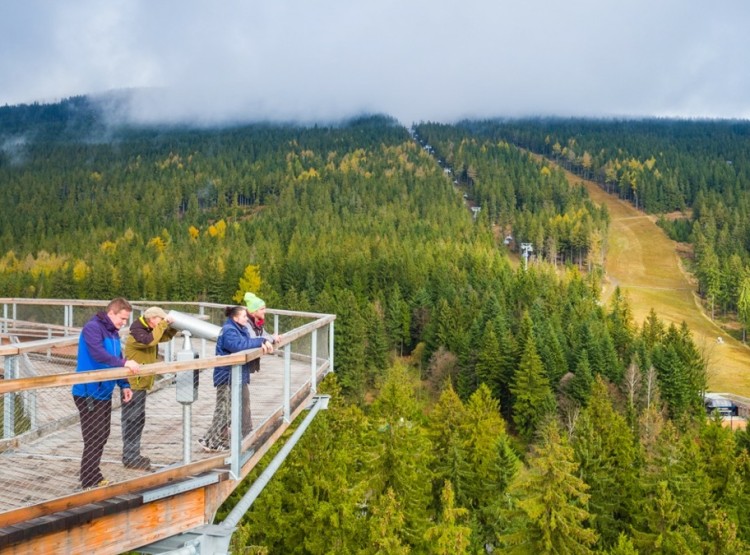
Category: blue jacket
[99,348]
[233,339]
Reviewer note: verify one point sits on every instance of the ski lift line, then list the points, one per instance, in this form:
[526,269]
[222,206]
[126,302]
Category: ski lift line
[447,170]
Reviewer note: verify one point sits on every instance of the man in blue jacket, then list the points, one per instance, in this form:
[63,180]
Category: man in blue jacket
[99,348]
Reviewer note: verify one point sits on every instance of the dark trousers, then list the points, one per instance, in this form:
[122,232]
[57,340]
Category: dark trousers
[96,419]
[133,422]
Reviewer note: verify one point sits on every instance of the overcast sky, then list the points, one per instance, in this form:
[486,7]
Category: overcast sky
[416,60]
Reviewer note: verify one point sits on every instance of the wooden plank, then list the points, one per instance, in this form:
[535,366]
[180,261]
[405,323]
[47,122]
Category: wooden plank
[120,532]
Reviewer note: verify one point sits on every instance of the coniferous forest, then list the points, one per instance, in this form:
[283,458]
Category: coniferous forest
[478,405]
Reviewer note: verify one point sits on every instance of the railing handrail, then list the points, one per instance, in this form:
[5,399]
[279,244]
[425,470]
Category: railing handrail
[159,368]
[16,349]
[145,304]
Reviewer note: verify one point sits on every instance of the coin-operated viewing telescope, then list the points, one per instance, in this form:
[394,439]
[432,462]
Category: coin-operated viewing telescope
[196,326]
[186,383]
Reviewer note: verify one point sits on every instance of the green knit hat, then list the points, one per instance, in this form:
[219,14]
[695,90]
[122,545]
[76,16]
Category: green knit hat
[253,302]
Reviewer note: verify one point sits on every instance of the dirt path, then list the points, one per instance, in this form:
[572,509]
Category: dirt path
[643,261]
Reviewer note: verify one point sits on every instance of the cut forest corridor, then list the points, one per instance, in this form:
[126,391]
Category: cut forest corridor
[643,261]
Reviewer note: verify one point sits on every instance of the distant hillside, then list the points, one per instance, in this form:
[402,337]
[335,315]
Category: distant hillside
[70,119]
[700,168]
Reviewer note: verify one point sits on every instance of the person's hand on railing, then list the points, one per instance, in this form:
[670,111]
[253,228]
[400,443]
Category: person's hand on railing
[133,366]
[267,348]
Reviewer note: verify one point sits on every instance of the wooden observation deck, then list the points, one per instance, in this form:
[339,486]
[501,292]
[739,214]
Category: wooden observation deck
[42,507]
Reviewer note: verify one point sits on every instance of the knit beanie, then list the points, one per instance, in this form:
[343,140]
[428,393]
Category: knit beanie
[253,302]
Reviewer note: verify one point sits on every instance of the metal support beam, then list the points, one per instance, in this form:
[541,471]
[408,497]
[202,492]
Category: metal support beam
[330,347]
[233,518]
[9,404]
[287,382]
[214,539]
[314,362]
[235,440]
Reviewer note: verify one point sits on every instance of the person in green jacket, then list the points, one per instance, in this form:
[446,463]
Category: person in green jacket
[142,345]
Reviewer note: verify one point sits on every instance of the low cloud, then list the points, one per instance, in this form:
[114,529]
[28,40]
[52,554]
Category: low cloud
[416,60]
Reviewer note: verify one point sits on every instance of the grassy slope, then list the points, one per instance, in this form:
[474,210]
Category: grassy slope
[643,261]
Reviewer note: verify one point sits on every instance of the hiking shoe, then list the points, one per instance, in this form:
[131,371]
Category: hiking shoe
[205,446]
[212,447]
[139,463]
[99,484]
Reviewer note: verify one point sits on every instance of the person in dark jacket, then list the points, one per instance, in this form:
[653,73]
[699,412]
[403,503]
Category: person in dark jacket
[256,317]
[142,345]
[99,348]
[234,337]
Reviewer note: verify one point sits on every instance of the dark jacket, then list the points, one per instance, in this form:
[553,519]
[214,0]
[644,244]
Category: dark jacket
[233,339]
[99,348]
[256,330]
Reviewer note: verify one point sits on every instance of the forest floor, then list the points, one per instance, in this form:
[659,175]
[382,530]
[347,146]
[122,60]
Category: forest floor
[645,264]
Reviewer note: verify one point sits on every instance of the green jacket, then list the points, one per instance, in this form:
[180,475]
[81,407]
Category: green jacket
[142,346]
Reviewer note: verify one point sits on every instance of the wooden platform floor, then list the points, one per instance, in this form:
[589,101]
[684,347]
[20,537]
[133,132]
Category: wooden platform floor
[47,467]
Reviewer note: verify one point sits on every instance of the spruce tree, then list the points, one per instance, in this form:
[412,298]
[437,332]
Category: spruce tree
[446,431]
[489,362]
[579,387]
[605,450]
[533,399]
[401,451]
[385,525]
[550,508]
[492,464]
[448,536]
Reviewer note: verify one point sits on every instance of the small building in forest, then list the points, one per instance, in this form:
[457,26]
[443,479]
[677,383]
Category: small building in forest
[717,403]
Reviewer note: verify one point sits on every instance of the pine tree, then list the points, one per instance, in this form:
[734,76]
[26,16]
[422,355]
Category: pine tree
[673,383]
[350,340]
[579,387]
[398,320]
[719,457]
[376,351]
[620,325]
[722,535]
[624,546]
[676,492]
[327,470]
[550,349]
[666,532]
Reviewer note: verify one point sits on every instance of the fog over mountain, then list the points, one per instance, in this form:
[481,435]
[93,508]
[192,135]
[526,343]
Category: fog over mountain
[415,60]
